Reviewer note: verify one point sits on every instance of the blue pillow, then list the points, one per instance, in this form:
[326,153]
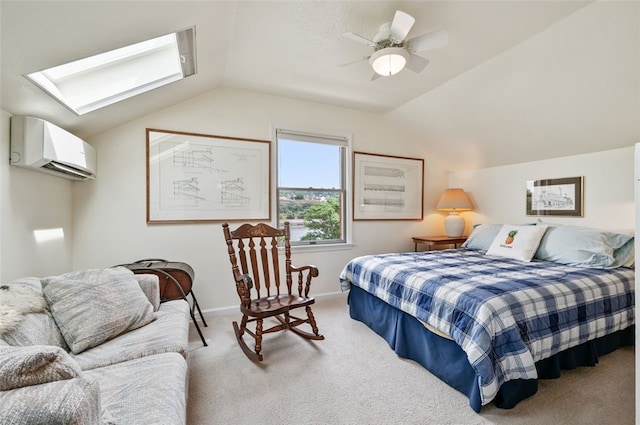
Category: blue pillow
[585,247]
[625,255]
[482,236]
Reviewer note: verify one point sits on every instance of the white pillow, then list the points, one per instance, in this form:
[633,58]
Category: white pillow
[517,242]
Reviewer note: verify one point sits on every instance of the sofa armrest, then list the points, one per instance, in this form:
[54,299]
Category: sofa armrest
[66,402]
[150,285]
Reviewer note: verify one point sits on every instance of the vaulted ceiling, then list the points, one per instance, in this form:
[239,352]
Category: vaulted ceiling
[286,48]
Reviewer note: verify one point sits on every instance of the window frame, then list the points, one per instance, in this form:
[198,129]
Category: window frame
[320,137]
[176,51]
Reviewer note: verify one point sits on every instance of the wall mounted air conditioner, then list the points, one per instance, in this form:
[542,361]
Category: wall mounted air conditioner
[42,146]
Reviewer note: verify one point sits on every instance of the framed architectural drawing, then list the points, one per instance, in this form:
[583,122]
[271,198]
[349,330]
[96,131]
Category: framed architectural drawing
[387,187]
[206,178]
[559,197]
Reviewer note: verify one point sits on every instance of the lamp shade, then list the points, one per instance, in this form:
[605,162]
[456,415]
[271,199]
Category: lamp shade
[454,200]
[389,61]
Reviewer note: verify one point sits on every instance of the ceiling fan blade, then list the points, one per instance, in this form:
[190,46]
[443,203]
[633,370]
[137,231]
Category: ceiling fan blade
[401,25]
[417,63]
[354,61]
[359,38]
[433,40]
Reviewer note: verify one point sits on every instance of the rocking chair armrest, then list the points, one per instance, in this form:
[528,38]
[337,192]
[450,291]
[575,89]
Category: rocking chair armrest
[244,283]
[313,270]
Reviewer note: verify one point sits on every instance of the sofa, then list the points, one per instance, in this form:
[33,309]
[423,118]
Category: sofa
[92,347]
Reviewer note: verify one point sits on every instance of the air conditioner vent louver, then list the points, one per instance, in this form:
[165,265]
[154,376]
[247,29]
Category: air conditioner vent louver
[41,146]
[72,172]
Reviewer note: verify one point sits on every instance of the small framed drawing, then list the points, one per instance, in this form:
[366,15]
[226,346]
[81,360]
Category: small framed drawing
[387,187]
[206,178]
[559,197]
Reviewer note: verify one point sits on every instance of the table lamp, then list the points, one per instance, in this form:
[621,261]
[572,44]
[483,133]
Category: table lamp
[454,200]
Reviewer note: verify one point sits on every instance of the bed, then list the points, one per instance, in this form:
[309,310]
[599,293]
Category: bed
[491,326]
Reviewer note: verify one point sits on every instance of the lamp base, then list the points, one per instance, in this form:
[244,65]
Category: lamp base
[454,225]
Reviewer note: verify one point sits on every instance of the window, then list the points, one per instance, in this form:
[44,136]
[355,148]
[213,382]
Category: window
[312,187]
[98,81]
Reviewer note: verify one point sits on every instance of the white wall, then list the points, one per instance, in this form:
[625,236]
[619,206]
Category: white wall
[109,213]
[499,193]
[31,201]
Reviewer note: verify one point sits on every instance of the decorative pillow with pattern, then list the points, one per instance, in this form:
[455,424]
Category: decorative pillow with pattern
[93,306]
[517,242]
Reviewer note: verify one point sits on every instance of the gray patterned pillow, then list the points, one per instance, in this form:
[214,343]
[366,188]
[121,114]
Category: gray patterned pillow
[36,329]
[92,306]
[33,365]
[33,323]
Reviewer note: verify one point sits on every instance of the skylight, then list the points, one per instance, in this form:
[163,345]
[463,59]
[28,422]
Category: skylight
[101,80]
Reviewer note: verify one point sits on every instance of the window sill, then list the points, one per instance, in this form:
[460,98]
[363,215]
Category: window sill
[320,247]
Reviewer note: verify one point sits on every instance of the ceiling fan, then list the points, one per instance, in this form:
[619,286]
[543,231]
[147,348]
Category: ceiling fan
[392,49]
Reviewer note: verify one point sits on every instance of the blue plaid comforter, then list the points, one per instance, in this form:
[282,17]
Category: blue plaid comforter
[505,314]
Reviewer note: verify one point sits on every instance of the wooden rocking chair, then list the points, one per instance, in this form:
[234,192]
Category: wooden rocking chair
[257,278]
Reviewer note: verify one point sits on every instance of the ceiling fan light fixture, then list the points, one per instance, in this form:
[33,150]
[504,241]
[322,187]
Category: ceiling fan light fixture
[389,61]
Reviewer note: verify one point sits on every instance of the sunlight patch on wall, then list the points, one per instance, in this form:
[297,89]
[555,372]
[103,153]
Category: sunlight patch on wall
[47,235]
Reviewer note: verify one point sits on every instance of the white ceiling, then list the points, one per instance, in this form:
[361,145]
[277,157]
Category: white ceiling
[286,48]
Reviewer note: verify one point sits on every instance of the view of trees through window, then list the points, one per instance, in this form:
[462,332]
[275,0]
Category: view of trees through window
[313,214]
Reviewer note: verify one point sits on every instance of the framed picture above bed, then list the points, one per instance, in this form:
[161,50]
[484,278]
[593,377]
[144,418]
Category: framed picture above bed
[559,197]
[387,187]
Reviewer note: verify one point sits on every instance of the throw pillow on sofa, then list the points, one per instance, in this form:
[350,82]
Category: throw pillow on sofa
[24,315]
[16,300]
[33,365]
[93,306]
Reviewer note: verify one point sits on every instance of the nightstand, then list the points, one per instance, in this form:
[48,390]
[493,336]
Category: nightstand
[431,241]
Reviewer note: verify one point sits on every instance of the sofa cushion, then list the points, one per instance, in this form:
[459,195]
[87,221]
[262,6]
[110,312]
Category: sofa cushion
[168,333]
[93,306]
[37,364]
[156,395]
[68,402]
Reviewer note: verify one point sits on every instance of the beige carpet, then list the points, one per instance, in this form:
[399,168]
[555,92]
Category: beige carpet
[353,377]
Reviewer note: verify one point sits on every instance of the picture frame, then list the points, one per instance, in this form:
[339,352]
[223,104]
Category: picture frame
[555,197]
[194,177]
[387,187]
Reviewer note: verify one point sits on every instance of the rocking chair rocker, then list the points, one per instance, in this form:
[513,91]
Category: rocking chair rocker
[257,279]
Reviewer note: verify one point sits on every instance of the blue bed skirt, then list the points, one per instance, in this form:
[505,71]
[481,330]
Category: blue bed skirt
[446,360]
